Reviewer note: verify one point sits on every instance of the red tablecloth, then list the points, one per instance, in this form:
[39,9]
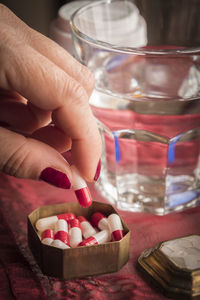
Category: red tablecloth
[21,278]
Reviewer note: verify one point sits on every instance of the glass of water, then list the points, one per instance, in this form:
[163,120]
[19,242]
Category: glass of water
[145,56]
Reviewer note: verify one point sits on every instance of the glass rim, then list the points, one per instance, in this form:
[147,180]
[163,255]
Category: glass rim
[126,50]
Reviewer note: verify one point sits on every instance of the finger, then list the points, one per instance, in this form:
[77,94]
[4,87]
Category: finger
[86,142]
[50,88]
[48,48]
[63,60]
[28,158]
[53,137]
[22,117]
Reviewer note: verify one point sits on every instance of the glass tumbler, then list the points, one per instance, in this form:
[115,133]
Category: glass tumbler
[145,56]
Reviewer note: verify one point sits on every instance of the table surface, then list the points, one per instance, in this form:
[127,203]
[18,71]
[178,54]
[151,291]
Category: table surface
[20,276]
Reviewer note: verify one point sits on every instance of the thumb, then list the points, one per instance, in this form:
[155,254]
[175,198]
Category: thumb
[28,158]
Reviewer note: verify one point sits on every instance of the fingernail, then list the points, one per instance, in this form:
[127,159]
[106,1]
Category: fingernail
[96,176]
[56,178]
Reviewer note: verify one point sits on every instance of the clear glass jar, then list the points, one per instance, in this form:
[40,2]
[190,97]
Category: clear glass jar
[145,56]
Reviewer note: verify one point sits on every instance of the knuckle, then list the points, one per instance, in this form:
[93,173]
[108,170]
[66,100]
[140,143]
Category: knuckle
[4,9]
[58,87]
[5,35]
[15,165]
[6,63]
[79,94]
[11,27]
[88,78]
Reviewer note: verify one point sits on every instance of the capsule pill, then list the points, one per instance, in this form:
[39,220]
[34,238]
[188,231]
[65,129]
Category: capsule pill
[97,239]
[80,188]
[75,233]
[47,237]
[87,229]
[116,227]
[100,221]
[61,236]
[49,222]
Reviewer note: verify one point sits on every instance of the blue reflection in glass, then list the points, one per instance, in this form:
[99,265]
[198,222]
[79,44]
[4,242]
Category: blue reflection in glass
[117,149]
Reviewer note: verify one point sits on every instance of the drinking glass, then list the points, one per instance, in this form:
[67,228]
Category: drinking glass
[145,56]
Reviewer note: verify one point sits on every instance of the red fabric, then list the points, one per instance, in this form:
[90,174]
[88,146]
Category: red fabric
[21,278]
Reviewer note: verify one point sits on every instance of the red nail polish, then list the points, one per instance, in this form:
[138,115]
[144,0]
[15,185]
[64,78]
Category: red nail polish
[56,178]
[97,171]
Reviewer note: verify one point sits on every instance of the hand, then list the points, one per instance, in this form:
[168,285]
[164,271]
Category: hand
[44,109]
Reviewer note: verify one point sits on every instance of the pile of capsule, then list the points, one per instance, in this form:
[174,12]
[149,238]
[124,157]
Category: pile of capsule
[67,231]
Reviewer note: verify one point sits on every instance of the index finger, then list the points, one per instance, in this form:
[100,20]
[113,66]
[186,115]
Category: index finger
[50,88]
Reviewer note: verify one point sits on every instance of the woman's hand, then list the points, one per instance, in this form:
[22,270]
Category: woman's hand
[44,109]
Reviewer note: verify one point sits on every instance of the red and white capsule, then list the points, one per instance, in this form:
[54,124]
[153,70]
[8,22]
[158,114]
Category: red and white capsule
[49,222]
[87,229]
[61,236]
[75,233]
[116,227]
[97,239]
[47,237]
[81,189]
[100,221]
